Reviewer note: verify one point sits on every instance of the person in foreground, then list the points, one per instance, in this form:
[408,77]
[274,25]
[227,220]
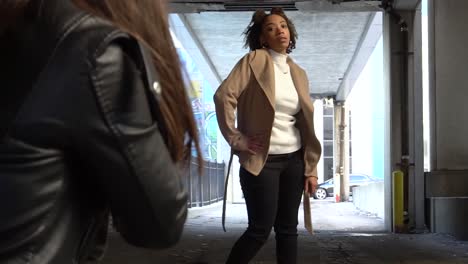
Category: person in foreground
[274,138]
[83,135]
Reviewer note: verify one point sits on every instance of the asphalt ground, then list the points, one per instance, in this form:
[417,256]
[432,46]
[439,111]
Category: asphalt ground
[342,236]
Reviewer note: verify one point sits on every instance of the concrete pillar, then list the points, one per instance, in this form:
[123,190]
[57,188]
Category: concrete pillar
[341,152]
[406,81]
[447,188]
[448,60]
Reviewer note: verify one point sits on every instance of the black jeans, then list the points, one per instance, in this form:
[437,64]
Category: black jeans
[272,199]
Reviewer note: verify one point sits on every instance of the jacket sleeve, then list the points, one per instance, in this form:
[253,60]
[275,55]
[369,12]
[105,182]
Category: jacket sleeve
[117,138]
[226,98]
[312,147]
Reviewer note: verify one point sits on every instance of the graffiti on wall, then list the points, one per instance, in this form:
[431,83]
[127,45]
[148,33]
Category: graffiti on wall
[201,96]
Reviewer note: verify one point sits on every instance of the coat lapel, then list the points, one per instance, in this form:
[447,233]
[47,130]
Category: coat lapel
[264,72]
[262,68]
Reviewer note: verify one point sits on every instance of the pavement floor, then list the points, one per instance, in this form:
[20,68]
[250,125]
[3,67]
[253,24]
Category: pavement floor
[343,235]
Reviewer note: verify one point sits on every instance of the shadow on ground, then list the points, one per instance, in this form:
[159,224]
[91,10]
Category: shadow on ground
[342,236]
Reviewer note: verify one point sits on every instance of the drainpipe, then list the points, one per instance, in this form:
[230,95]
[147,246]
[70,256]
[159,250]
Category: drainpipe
[405,162]
[405,156]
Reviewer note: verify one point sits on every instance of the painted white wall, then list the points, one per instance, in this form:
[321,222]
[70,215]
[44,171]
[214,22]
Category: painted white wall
[318,123]
[366,103]
[359,102]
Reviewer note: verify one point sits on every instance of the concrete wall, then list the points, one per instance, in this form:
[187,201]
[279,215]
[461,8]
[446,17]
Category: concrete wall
[449,83]
[395,87]
[457,208]
[370,198]
[446,188]
[447,201]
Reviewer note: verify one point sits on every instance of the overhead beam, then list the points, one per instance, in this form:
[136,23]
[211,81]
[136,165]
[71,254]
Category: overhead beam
[369,38]
[406,4]
[338,6]
[190,6]
[184,30]
[182,8]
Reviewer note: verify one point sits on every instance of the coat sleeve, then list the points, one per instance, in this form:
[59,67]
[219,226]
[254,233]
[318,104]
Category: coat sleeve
[226,98]
[117,138]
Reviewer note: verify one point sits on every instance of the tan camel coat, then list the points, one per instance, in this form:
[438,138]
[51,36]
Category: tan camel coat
[250,88]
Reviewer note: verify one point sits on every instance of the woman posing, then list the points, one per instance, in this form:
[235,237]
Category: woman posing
[274,138]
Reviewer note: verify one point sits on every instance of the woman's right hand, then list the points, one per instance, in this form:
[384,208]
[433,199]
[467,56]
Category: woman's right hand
[250,144]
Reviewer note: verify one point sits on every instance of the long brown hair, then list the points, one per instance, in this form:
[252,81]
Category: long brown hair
[254,29]
[147,21]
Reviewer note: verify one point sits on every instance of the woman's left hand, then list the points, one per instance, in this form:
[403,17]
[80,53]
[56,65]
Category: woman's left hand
[310,185]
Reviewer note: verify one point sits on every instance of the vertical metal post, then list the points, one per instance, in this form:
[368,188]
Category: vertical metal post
[405,163]
[217,180]
[189,185]
[210,172]
[200,184]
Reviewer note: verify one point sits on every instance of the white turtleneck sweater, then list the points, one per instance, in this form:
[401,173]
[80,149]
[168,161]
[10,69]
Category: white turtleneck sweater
[285,137]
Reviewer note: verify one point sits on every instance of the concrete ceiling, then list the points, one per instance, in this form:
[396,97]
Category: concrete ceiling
[191,6]
[184,6]
[336,37]
[325,48]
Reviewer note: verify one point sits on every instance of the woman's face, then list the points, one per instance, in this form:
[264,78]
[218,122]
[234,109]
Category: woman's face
[275,33]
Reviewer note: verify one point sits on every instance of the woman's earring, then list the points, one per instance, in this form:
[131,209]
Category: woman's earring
[289,46]
[265,45]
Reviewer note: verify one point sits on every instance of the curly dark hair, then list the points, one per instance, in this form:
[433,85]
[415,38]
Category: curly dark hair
[254,29]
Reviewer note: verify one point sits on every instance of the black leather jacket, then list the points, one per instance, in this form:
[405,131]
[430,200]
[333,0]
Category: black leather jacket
[79,138]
